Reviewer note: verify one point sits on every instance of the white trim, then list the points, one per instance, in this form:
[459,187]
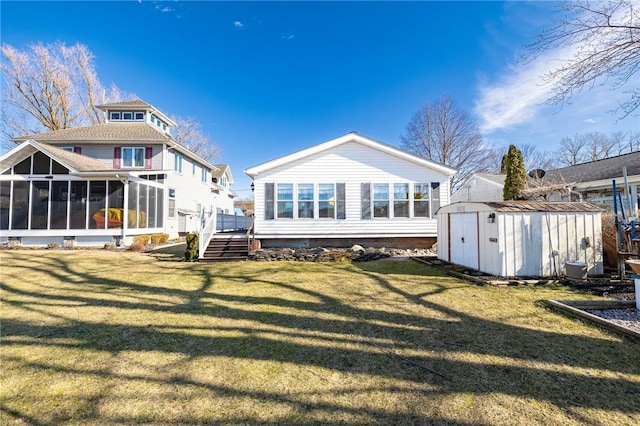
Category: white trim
[350,137]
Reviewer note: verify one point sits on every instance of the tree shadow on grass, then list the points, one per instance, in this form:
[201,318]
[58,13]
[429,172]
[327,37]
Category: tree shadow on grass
[312,326]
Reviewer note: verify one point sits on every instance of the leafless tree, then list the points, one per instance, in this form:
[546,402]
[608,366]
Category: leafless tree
[599,146]
[189,133]
[49,87]
[593,146]
[626,142]
[533,158]
[571,151]
[444,133]
[603,38]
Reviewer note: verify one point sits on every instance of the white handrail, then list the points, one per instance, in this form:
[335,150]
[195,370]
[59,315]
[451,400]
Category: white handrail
[206,233]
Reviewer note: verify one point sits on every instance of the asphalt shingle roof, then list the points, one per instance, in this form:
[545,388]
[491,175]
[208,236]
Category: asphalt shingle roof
[80,163]
[608,168]
[104,132]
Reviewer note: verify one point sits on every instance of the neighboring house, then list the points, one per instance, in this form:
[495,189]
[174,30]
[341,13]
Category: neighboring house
[103,183]
[480,187]
[348,190]
[221,192]
[592,181]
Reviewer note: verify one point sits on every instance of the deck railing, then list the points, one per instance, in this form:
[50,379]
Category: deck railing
[207,230]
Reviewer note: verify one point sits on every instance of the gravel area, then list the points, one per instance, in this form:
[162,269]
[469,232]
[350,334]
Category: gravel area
[629,318]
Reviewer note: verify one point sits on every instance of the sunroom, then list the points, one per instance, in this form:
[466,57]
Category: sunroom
[50,195]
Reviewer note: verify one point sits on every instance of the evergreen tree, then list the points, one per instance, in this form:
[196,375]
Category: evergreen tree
[516,180]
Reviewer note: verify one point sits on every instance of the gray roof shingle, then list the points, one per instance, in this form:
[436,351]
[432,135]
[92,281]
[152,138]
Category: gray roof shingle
[608,168]
[102,133]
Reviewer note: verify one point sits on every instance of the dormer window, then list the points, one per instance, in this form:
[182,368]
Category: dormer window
[126,116]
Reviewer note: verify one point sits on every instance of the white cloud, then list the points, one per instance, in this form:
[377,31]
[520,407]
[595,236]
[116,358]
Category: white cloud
[165,9]
[238,24]
[287,36]
[592,120]
[518,94]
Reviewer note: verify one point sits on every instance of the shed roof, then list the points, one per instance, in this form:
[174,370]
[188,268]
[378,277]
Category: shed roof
[541,206]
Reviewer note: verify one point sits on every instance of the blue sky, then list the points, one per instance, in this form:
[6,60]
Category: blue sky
[268,78]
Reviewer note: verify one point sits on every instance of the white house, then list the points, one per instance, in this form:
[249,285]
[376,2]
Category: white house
[521,238]
[103,183]
[480,187]
[221,192]
[348,190]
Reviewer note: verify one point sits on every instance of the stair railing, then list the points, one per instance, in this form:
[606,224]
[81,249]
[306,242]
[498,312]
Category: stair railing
[250,235]
[207,231]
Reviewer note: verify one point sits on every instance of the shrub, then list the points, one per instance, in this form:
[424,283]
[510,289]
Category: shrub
[191,251]
[143,239]
[159,238]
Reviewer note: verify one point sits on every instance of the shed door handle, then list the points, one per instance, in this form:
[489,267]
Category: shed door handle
[462,239]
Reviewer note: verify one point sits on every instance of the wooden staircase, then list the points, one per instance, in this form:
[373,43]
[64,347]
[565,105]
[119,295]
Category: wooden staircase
[226,246]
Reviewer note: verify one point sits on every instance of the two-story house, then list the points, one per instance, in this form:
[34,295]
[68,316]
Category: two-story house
[105,182]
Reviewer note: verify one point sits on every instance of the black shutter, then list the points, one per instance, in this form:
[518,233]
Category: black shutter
[435,197]
[148,154]
[365,196]
[341,211]
[269,201]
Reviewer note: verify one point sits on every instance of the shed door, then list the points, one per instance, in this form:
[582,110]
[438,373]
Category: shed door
[463,241]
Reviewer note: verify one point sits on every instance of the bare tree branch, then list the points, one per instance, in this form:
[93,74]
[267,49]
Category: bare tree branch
[600,45]
[189,133]
[442,132]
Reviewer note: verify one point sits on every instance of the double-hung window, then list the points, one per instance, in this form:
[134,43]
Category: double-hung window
[400,200]
[380,200]
[133,157]
[204,175]
[326,201]
[177,162]
[421,200]
[305,200]
[284,199]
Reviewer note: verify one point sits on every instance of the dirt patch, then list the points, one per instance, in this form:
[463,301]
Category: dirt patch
[605,287]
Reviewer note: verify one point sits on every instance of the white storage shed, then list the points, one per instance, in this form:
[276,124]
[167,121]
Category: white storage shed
[522,238]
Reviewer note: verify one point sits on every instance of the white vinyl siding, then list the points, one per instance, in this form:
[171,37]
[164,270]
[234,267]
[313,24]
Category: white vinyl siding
[351,164]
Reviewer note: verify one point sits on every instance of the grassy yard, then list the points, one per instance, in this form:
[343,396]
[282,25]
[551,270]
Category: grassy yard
[104,338]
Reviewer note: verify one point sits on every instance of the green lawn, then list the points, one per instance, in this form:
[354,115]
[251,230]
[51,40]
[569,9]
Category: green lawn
[105,337]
